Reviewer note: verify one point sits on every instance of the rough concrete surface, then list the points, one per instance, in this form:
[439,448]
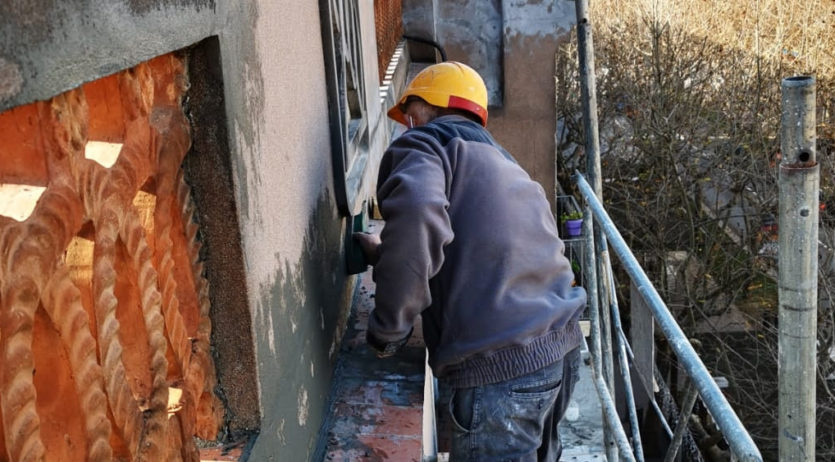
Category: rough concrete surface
[581,429]
[57,46]
[376,405]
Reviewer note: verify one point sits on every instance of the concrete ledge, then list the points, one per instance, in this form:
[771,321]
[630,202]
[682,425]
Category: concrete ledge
[376,405]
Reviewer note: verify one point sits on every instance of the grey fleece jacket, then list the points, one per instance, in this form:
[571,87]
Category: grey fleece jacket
[470,243]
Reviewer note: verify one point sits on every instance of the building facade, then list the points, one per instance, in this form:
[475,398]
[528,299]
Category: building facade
[177,180]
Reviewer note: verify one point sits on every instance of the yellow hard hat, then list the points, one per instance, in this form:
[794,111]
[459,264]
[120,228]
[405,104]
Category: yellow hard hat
[449,84]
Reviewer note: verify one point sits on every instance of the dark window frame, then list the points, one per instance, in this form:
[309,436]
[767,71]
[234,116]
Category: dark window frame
[347,111]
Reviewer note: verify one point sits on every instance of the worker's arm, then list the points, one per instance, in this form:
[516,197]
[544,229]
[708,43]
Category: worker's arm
[412,193]
[370,245]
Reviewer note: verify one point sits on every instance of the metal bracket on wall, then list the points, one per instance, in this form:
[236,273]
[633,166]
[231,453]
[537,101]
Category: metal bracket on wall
[354,258]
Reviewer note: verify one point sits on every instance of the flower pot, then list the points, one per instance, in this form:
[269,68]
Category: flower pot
[573,228]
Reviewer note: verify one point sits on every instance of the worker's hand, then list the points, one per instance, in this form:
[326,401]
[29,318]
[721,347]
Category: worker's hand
[370,244]
[385,349]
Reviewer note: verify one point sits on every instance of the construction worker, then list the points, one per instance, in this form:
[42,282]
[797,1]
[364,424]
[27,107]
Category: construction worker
[470,244]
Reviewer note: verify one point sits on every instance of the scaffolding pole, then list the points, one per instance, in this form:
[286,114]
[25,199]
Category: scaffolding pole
[588,94]
[798,271]
[742,446]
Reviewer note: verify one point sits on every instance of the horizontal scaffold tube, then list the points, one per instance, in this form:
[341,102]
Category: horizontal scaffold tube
[740,441]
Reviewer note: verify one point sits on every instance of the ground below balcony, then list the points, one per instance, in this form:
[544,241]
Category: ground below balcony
[377,410]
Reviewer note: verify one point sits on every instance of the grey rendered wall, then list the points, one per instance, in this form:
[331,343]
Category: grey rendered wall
[293,234]
[292,277]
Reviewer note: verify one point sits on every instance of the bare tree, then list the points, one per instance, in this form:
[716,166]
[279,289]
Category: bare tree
[689,108]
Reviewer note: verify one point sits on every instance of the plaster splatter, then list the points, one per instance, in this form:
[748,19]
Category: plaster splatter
[280,433]
[304,406]
[271,331]
[11,81]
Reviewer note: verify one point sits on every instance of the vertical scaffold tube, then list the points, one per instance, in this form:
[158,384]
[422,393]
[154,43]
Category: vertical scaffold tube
[588,93]
[798,271]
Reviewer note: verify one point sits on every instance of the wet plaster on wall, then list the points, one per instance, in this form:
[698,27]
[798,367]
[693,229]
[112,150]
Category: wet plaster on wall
[282,135]
[55,46]
[471,32]
[244,87]
[291,231]
[304,306]
[144,6]
[10,80]
[276,96]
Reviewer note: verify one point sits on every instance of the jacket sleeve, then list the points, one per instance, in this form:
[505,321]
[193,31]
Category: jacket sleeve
[412,195]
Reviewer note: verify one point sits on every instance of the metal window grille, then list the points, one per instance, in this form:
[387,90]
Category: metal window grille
[342,41]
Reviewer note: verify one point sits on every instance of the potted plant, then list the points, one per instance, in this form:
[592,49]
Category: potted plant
[572,223]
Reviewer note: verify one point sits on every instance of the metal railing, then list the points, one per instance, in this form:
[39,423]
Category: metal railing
[702,384]
[604,313]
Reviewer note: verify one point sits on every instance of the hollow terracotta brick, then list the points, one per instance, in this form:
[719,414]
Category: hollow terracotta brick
[106,121]
[103,303]
[21,150]
[63,432]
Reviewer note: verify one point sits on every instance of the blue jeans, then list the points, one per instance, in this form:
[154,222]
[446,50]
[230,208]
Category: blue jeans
[515,420]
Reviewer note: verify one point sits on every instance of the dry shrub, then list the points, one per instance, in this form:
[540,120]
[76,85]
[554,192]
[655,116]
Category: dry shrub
[772,29]
[689,108]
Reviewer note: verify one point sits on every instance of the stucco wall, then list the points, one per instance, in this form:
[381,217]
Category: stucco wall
[526,123]
[293,234]
[49,47]
[279,162]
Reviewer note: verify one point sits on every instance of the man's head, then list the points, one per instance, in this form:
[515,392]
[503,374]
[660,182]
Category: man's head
[441,89]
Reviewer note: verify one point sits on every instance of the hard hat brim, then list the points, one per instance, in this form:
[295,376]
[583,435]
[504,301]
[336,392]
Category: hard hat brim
[396,114]
[454,102]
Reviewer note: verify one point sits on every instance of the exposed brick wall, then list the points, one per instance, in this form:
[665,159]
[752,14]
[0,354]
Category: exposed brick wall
[388,21]
[102,290]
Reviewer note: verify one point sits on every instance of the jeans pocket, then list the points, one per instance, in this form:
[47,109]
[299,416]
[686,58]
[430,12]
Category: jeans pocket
[536,390]
[461,409]
[524,412]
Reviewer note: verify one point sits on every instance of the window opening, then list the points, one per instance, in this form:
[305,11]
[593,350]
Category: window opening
[341,31]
